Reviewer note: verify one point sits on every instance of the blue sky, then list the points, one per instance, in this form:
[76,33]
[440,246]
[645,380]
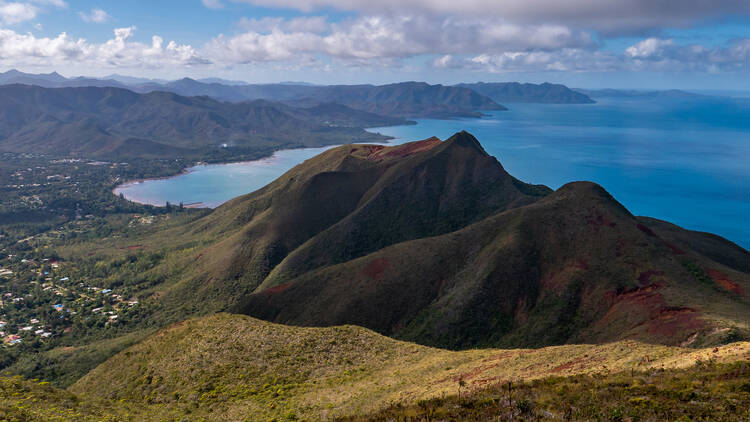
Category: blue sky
[606,43]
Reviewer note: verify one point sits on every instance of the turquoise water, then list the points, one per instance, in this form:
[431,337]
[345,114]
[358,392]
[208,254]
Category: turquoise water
[685,160]
[213,184]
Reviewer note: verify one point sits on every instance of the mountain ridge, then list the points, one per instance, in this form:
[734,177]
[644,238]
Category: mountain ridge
[99,122]
[434,242]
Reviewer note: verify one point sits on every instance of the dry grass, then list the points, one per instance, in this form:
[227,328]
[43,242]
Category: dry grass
[229,367]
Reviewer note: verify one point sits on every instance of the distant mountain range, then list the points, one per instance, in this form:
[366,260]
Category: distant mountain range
[434,242]
[406,99]
[514,92]
[117,123]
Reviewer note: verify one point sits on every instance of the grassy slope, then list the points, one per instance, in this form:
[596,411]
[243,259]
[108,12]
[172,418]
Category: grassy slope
[706,391]
[230,367]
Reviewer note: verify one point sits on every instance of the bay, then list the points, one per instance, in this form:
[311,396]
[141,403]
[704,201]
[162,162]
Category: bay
[685,160]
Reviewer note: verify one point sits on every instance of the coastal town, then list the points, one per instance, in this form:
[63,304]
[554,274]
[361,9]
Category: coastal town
[39,301]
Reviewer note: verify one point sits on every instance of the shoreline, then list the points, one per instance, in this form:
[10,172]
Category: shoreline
[117,190]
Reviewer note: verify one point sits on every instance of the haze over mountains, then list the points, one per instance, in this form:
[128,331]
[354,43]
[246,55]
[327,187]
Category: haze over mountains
[514,92]
[128,118]
[406,99]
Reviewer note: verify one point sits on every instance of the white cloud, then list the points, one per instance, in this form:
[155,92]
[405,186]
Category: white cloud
[566,59]
[651,54]
[665,54]
[648,48]
[95,16]
[119,52]
[476,44]
[213,4]
[314,24]
[607,16]
[14,12]
[385,38]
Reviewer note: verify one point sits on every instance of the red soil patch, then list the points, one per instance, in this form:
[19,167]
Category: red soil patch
[276,289]
[650,315]
[376,268]
[671,321]
[675,249]
[405,149]
[134,247]
[645,277]
[723,280]
[646,230]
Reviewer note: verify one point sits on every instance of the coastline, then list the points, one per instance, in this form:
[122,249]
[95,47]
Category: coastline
[117,190]
[266,160]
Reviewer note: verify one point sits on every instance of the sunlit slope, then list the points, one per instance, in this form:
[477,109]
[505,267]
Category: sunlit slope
[232,367]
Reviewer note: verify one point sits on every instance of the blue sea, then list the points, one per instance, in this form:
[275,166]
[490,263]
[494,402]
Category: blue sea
[685,160]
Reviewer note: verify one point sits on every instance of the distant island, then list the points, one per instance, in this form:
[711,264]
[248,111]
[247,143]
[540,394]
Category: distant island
[514,92]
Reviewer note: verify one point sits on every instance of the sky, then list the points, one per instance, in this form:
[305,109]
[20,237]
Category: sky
[638,44]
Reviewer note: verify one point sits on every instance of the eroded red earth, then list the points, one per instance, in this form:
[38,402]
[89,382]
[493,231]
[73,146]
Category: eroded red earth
[723,280]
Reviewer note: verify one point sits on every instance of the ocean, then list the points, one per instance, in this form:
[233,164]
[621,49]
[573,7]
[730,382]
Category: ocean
[681,159]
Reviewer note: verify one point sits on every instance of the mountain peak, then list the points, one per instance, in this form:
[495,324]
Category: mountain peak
[465,139]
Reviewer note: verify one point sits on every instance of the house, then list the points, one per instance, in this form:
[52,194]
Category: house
[38,332]
[105,291]
[27,328]
[46,334]
[34,321]
[58,307]
[65,279]
[12,339]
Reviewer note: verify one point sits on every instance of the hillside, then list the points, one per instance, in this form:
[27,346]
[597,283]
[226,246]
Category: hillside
[406,99]
[114,123]
[514,92]
[230,367]
[434,242]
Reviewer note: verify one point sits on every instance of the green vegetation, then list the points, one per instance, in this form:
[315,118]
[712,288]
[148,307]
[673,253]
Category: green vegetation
[231,367]
[430,242]
[706,391]
[117,124]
